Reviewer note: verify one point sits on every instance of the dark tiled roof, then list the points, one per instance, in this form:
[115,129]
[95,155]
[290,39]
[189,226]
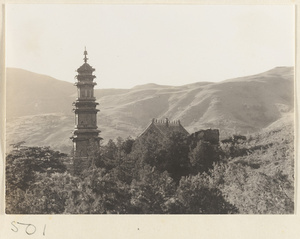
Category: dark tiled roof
[85,68]
[168,128]
[165,127]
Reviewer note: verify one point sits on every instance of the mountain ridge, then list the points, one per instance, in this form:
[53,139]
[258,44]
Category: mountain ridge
[39,107]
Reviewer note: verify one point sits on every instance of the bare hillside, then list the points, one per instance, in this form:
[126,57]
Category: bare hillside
[39,108]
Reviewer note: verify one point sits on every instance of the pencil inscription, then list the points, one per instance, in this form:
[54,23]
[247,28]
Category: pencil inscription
[28,228]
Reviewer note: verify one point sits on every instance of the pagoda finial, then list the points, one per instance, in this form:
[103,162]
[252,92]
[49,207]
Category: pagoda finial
[85,54]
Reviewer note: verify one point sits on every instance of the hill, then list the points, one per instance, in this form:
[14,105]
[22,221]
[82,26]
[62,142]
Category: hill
[39,107]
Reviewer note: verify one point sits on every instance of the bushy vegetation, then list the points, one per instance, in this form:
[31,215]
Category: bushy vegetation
[248,175]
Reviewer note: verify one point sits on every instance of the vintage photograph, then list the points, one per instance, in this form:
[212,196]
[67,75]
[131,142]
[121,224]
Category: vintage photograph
[149,109]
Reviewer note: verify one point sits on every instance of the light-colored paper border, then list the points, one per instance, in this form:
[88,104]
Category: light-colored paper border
[148,226]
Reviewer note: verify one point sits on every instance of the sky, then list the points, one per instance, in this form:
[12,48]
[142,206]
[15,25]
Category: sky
[131,45]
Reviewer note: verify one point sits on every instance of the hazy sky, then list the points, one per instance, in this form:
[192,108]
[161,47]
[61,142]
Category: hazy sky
[137,44]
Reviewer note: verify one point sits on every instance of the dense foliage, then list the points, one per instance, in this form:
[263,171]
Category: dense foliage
[150,176]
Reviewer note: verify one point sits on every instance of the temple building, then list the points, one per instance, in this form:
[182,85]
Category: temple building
[162,128]
[86,134]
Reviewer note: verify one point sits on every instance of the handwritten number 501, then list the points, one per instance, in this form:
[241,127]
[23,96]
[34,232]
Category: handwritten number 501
[30,229]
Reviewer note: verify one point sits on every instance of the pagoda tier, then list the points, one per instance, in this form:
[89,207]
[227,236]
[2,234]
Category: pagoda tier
[84,78]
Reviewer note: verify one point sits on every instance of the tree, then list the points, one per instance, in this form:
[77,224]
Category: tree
[196,195]
[234,146]
[168,154]
[151,191]
[269,194]
[148,150]
[98,192]
[252,191]
[48,194]
[23,166]
[203,156]
[126,146]
[176,160]
[113,154]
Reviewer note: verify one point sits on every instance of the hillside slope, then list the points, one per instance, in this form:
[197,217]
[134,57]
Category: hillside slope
[39,108]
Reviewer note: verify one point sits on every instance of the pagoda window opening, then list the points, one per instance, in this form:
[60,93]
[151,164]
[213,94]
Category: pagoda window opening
[88,93]
[83,93]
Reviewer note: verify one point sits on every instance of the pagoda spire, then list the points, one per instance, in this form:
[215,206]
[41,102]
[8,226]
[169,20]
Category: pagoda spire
[85,54]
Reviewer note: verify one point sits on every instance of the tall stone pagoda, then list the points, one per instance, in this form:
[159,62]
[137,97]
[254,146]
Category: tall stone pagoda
[85,135]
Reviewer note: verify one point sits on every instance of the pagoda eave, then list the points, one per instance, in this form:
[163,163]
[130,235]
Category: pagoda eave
[86,100]
[89,105]
[85,110]
[81,83]
[86,132]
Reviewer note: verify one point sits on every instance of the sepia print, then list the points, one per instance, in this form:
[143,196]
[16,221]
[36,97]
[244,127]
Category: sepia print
[171,109]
